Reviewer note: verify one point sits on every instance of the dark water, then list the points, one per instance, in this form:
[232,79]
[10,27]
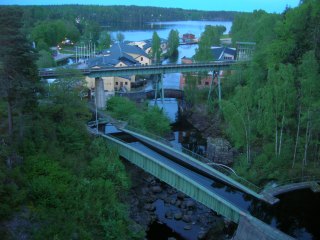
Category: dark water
[188,137]
[161,231]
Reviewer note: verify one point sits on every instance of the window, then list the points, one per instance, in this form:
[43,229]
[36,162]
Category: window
[126,83]
[120,64]
[116,83]
[206,83]
[141,59]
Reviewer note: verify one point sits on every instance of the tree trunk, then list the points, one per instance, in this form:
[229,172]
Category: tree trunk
[249,136]
[10,120]
[297,138]
[304,161]
[276,141]
[281,134]
[21,126]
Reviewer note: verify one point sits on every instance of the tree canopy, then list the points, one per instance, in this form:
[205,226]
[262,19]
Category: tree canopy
[156,47]
[210,37]
[272,113]
[173,43]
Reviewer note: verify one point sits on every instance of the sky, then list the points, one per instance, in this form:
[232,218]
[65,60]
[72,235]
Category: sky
[270,6]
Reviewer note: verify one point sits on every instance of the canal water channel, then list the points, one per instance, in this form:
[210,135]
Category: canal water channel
[296,214]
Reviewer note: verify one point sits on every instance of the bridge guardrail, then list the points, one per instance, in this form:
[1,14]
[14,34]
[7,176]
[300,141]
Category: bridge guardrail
[150,135]
[219,167]
[86,71]
[223,169]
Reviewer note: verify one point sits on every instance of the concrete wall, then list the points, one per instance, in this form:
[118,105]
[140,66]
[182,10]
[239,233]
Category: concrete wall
[112,83]
[108,83]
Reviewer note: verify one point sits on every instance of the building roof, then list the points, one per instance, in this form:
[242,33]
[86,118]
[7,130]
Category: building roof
[147,45]
[121,48]
[218,52]
[118,52]
[112,60]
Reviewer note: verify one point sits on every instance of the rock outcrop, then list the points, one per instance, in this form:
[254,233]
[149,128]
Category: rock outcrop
[219,150]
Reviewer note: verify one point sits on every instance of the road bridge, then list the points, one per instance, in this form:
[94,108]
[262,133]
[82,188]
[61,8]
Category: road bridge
[98,73]
[143,69]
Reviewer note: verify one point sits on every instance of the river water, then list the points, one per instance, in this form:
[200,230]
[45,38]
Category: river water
[297,212]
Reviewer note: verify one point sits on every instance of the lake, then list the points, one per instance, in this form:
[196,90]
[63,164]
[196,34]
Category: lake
[163,29]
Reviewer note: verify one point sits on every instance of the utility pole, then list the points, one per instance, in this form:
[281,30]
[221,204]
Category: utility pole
[219,89]
[156,91]
[162,90]
[210,89]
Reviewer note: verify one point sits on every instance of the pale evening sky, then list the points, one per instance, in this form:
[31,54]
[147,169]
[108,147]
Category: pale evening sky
[277,6]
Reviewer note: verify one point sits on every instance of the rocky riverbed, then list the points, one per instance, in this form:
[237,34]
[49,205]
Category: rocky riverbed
[152,201]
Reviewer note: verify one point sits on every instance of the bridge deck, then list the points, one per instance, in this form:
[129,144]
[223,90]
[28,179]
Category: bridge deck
[146,69]
[194,185]
[201,167]
[233,197]
[156,165]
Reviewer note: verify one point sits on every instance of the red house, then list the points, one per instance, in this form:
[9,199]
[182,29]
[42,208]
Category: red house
[188,37]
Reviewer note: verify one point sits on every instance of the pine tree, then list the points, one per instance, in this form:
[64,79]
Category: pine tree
[156,50]
[18,73]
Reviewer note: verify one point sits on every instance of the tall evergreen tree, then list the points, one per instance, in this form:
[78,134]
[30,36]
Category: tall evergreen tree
[18,73]
[173,43]
[156,50]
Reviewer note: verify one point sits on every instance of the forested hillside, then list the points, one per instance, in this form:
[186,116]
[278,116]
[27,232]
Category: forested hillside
[56,182]
[272,107]
[130,16]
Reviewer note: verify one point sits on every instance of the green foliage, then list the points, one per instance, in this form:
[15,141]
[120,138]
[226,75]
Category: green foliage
[155,48]
[53,32]
[45,60]
[150,119]
[193,94]
[105,40]
[73,181]
[12,192]
[121,108]
[91,32]
[67,191]
[155,121]
[210,37]
[117,16]
[18,73]
[173,43]
[120,37]
[87,206]
[258,27]
[272,115]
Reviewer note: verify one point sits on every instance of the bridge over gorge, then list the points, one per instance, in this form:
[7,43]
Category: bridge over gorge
[231,198]
[98,73]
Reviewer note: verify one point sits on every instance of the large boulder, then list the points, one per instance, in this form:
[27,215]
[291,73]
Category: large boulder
[219,150]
